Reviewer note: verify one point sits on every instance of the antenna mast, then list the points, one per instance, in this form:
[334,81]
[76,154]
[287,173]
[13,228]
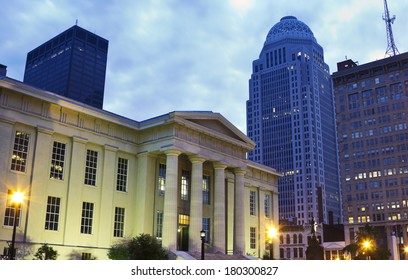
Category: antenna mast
[391,47]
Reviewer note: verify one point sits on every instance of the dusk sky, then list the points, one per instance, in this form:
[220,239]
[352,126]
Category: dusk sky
[169,55]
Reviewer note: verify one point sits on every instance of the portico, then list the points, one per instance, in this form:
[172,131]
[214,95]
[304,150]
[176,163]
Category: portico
[220,158]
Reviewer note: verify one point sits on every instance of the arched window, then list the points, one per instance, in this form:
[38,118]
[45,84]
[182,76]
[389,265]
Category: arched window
[300,238]
[281,239]
[287,239]
[294,238]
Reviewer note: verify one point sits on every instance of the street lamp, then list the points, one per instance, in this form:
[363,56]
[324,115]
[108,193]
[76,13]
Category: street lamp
[367,246]
[16,200]
[406,252]
[272,233]
[202,235]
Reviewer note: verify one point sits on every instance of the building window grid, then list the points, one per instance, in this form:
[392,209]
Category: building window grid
[119,225]
[206,189]
[57,161]
[86,256]
[6,252]
[206,228]
[20,151]
[267,205]
[53,213]
[252,203]
[252,237]
[185,184]
[87,217]
[10,212]
[162,179]
[159,229]
[91,167]
[183,219]
[122,173]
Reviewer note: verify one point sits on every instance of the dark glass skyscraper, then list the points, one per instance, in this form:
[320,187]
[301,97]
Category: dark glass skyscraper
[291,118]
[72,64]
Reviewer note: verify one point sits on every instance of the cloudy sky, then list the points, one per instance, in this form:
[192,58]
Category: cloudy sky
[167,55]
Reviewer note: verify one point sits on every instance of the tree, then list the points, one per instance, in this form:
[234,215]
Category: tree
[352,248]
[142,247]
[45,252]
[365,246]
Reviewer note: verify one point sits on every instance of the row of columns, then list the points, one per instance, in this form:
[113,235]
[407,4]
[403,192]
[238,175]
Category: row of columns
[170,215]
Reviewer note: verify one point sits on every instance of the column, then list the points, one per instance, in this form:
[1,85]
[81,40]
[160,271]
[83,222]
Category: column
[73,205]
[239,217]
[170,201]
[219,208]
[40,177]
[230,214]
[6,140]
[196,204]
[146,179]
[108,188]
[392,243]
[404,241]
[275,217]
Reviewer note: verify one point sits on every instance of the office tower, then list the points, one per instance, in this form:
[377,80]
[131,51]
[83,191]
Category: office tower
[291,118]
[72,64]
[371,105]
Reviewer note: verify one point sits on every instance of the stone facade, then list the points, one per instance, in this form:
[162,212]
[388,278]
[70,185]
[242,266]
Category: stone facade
[92,178]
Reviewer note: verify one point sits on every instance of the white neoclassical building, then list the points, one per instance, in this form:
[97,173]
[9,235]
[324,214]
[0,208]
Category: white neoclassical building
[92,178]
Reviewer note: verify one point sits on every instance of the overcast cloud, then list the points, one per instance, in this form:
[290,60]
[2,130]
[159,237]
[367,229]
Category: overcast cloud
[168,55]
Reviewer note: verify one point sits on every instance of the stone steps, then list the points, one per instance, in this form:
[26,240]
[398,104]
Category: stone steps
[217,256]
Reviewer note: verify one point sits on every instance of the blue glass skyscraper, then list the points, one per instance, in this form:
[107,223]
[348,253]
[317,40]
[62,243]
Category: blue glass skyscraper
[291,118]
[72,64]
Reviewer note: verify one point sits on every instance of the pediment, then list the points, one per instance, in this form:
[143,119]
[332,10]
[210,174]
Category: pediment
[216,123]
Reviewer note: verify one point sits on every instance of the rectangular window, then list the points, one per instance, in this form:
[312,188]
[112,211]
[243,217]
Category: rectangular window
[252,237]
[162,179]
[10,211]
[57,161]
[119,225]
[86,256]
[206,189]
[121,178]
[252,203]
[6,252]
[87,217]
[159,230]
[53,213]
[184,219]
[185,184]
[20,151]
[267,205]
[91,167]
[206,228]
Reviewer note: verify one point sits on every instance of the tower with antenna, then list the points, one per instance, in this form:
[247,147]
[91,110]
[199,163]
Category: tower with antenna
[391,47]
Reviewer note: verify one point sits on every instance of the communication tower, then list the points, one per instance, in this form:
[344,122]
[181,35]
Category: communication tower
[391,47]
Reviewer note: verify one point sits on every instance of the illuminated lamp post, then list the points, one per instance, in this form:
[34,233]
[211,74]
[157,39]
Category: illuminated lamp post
[406,252]
[16,200]
[202,235]
[367,246]
[272,233]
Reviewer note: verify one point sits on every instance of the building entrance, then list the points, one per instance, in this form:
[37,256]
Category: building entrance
[182,238]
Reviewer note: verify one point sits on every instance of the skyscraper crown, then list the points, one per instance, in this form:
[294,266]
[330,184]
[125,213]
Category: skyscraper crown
[289,27]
